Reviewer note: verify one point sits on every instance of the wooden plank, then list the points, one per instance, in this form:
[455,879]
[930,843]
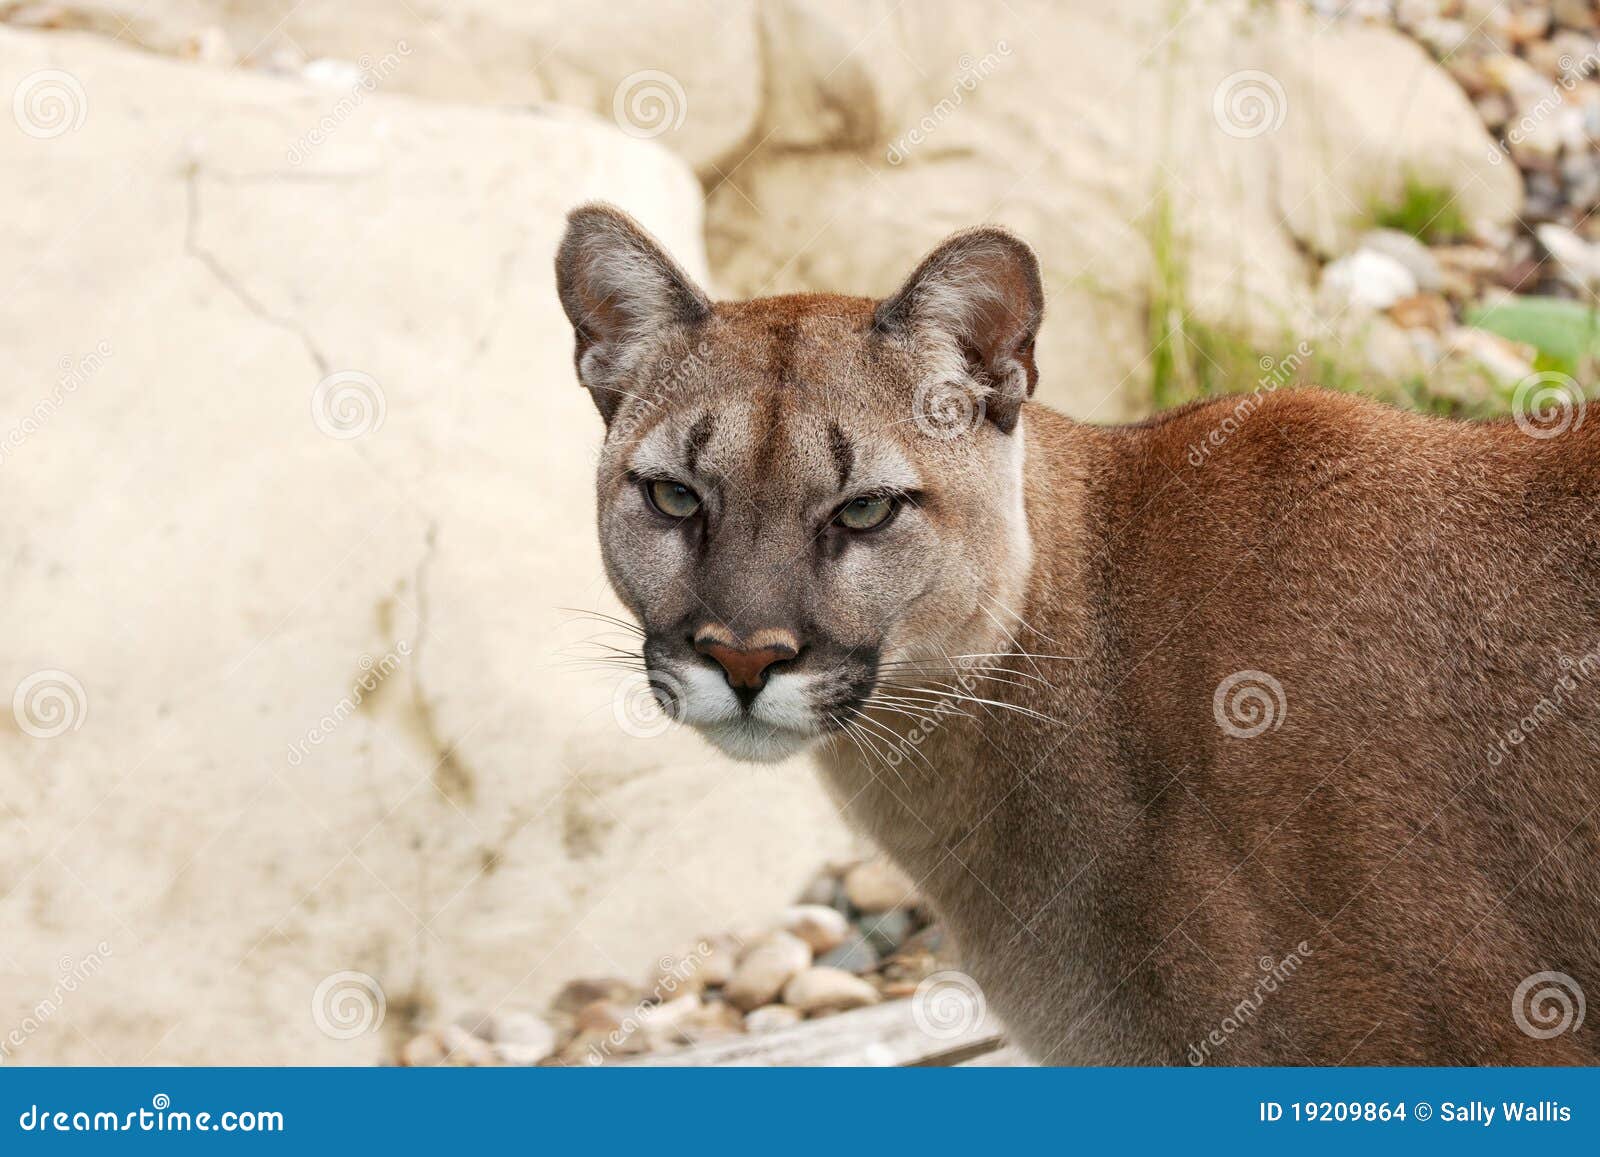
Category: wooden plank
[883,1036]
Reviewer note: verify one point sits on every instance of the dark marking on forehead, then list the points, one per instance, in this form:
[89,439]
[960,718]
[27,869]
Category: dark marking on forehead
[844,454]
[695,443]
[784,336]
[768,434]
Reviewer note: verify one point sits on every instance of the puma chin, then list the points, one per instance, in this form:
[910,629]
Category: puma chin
[792,708]
[801,496]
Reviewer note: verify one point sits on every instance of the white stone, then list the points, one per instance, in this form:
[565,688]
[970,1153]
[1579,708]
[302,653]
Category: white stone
[878,886]
[520,1038]
[1365,281]
[1502,359]
[822,928]
[1577,260]
[765,969]
[817,990]
[1408,251]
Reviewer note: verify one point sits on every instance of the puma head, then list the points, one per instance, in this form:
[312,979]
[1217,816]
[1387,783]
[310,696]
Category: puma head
[800,494]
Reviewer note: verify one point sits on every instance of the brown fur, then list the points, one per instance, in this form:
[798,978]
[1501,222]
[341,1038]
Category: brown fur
[1413,585]
[1120,871]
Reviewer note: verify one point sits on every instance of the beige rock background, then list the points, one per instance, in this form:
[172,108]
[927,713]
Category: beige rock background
[236,216]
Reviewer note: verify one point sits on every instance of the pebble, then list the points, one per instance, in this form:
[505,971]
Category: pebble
[1422,311]
[520,1038]
[710,1021]
[716,966]
[477,1023]
[824,886]
[1408,251]
[594,1048]
[603,1016]
[815,990]
[577,993]
[1365,280]
[856,955]
[665,1026]
[422,1050]
[878,886]
[1577,261]
[886,932]
[677,974]
[771,1016]
[1505,360]
[1578,14]
[765,969]
[912,966]
[464,1048]
[823,929]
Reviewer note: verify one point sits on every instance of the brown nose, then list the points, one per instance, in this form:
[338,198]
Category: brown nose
[746,662]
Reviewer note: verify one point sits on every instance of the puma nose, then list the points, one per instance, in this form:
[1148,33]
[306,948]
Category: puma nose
[746,662]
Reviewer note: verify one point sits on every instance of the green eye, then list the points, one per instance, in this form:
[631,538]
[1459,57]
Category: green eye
[673,499]
[866,513]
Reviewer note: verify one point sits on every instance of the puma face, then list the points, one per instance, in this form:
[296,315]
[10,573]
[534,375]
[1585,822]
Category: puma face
[799,495]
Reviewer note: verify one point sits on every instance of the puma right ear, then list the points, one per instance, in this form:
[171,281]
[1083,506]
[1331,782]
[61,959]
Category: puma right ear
[979,296]
[618,286]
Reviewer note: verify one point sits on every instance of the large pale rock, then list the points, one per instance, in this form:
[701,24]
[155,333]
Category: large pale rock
[1147,154]
[235,861]
[687,75]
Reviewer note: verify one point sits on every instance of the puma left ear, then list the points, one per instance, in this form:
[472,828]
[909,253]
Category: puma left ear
[618,286]
[980,294]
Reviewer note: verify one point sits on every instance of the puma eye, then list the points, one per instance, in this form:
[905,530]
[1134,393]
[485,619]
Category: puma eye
[866,513]
[673,499]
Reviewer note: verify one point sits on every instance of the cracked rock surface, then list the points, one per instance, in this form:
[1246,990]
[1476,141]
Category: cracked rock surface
[326,723]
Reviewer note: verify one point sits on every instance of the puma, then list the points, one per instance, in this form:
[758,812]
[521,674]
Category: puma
[1280,753]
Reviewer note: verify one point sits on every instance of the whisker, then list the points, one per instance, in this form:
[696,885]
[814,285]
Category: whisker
[1025,624]
[871,743]
[897,742]
[1000,703]
[976,673]
[899,703]
[602,617]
